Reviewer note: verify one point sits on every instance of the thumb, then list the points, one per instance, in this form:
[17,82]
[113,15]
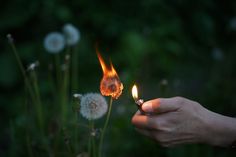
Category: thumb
[160,105]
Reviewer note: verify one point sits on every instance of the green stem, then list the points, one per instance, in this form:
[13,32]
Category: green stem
[58,70]
[92,150]
[75,132]
[68,144]
[65,93]
[70,149]
[74,70]
[27,129]
[94,146]
[26,80]
[38,101]
[89,146]
[52,84]
[104,128]
[93,141]
[29,148]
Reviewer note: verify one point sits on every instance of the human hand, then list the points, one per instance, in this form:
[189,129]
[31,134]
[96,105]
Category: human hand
[177,120]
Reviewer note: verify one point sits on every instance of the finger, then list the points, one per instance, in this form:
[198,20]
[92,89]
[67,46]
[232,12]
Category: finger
[144,132]
[138,113]
[142,121]
[161,105]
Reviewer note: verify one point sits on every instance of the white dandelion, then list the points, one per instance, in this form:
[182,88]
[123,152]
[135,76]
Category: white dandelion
[33,65]
[93,106]
[72,34]
[54,42]
[77,96]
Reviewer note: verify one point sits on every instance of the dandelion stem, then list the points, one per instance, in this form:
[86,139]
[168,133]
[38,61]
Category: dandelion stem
[65,91]
[74,69]
[67,142]
[75,131]
[58,70]
[89,145]
[104,128]
[29,148]
[92,150]
[27,113]
[38,101]
[26,80]
[93,140]
[52,82]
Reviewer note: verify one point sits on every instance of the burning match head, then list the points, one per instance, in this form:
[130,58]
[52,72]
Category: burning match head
[110,84]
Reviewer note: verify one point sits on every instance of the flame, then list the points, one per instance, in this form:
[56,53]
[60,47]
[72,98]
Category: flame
[135,92]
[110,84]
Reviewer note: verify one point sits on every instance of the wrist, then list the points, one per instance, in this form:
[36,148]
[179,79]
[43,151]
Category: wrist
[221,129]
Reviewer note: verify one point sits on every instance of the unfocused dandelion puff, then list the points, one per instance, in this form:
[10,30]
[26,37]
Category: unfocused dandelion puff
[33,65]
[77,96]
[72,34]
[217,54]
[54,42]
[93,106]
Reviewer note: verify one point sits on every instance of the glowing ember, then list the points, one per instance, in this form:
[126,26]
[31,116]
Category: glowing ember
[110,84]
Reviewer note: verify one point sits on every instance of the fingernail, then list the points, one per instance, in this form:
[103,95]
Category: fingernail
[147,107]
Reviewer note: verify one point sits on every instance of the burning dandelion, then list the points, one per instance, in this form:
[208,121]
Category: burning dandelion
[110,84]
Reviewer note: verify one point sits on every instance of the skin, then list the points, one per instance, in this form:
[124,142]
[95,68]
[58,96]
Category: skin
[175,121]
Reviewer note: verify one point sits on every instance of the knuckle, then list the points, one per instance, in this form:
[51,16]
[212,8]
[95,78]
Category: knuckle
[157,125]
[162,125]
[179,99]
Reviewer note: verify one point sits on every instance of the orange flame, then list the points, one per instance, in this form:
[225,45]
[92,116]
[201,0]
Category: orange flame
[110,84]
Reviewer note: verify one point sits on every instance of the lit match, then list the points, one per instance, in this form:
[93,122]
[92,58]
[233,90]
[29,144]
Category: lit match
[139,102]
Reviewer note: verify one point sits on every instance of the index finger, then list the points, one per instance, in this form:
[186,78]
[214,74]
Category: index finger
[143,121]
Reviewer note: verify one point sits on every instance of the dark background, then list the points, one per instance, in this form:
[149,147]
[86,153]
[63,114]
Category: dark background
[190,44]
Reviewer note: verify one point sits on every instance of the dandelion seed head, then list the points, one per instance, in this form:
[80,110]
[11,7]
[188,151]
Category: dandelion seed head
[164,82]
[93,106]
[54,42]
[72,34]
[67,57]
[64,67]
[32,66]
[10,38]
[77,96]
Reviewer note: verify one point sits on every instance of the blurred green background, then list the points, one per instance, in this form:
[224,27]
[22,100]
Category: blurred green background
[190,45]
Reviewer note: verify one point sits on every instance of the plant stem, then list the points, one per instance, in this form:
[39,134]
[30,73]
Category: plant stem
[38,101]
[104,128]
[58,70]
[89,146]
[93,140]
[29,148]
[67,142]
[65,91]
[26,80]
[74,55]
